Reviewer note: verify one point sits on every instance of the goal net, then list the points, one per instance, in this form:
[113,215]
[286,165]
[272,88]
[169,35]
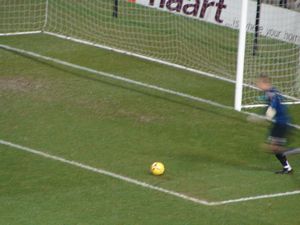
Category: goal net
[21,16]
[273,48]
[197,35]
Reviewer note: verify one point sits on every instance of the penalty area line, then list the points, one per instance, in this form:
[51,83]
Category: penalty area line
[103,172]
[143,184]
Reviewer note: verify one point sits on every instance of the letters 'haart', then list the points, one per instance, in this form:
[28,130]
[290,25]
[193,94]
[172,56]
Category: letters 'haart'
[198,8]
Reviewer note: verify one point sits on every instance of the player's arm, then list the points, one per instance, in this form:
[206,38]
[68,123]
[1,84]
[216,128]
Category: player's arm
[270,113]
[271,110]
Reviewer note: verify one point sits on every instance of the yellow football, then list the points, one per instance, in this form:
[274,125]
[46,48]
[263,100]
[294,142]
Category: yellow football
[157,168]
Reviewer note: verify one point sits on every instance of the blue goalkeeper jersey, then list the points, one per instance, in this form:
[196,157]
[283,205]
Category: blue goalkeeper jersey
[274,99]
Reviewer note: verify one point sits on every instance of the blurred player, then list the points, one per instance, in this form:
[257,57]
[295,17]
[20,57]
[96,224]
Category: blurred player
[277,113]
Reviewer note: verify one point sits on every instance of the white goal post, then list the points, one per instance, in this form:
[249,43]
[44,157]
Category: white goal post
[231,40]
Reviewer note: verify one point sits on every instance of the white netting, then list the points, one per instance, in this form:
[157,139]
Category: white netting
[21,15]
[152,31]
[277,51]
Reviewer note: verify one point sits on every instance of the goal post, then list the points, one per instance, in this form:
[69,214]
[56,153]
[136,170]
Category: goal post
[273,38]
[241,57]
[210,37]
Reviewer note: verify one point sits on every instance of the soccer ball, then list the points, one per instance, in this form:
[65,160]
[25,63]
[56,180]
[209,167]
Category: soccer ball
[157,168]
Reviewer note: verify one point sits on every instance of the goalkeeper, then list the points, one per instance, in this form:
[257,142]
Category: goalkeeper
[277,113]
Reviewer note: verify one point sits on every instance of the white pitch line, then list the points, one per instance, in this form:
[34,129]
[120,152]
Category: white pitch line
[103,172]
[143,184]
[20,33]
[257,197]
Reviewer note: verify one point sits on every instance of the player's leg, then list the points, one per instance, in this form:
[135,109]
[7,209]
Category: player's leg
[277,150]
[291,151]
[277,141]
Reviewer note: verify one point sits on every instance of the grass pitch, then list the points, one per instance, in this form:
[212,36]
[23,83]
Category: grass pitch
[209,153]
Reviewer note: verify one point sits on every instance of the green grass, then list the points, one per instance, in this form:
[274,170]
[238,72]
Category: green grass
[209,153]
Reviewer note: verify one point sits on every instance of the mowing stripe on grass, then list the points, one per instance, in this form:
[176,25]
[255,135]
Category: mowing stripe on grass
[143,184]
[138,83]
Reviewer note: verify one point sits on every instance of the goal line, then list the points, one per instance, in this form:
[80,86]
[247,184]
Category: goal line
[293,101]
[198,72]
[138,83]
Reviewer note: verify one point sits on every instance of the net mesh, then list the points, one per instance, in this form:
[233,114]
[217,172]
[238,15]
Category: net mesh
[275,51]
[21,15]
[148,31]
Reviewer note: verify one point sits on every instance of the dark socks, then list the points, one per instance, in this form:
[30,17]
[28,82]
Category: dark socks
[282,159]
